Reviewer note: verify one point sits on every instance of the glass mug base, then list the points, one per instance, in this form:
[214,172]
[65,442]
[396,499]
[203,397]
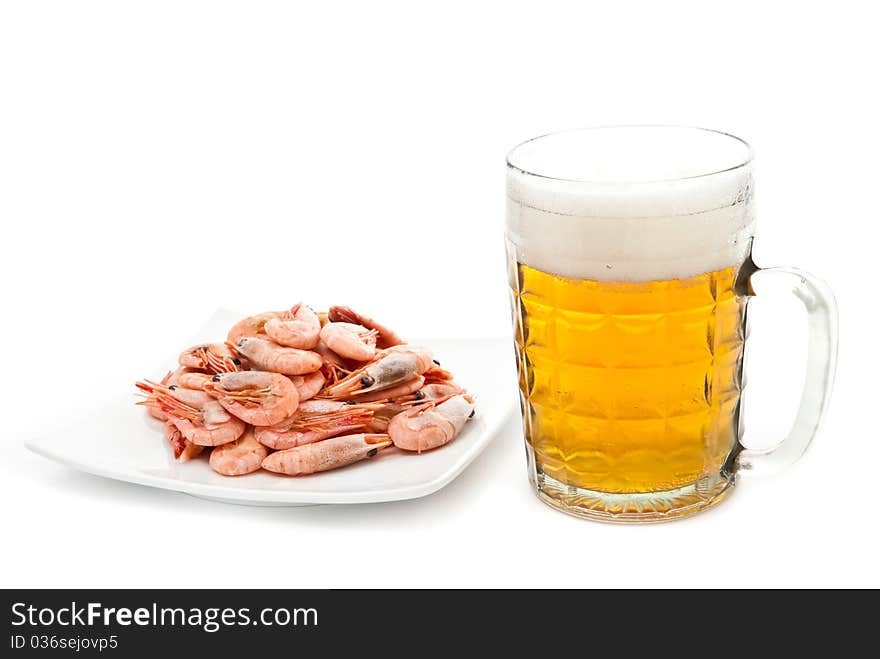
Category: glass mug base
[631,507]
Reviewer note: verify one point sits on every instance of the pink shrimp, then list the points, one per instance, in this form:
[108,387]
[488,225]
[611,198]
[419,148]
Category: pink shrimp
[194,380]
[308,386]
[171,377]
[332,364]
[157,413]
[437,375]
[316,420]
[425,427]
[269,356]
[436,393]
[432,393]
[382,417]
[296,328]
[184,450]
[328,454]
[200,418]
[256,397]
[391,367]
[350,341]
[402,389]
[250,326]
[385,337]
[211,357]
[243,456]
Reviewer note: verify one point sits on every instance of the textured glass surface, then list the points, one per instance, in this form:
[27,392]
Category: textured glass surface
[628,387]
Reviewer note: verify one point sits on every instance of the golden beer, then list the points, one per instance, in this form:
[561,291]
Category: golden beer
[629,387]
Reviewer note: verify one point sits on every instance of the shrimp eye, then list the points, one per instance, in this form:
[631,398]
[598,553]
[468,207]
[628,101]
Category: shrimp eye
[172,387]
[471,415]
[351,402]
[216,378]
[237,362]
[436,362]
[372,452]
[368,381]
[419,394]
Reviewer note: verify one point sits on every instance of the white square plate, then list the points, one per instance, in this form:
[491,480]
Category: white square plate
[125,443]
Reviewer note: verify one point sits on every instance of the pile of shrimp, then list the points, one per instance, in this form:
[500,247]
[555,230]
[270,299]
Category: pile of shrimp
[298,392]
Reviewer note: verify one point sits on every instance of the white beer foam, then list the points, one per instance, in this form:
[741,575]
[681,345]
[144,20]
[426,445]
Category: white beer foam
[599,226]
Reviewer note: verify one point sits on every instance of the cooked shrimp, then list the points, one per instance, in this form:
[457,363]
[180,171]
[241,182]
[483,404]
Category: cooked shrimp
[385,337]
[269,356]
[432,393]
[382,417]
[256,397]
[437,375]
[307,386]
[391,367]
[250,326]
[243,456]
[402,389]
[199,417]
[315,420]
[350,341]
[171,377]
[194,380]
[296,328]
[211,357]
[441,391]
[333,366]
[426,427]
[184,450]
[157,413]
[328,454]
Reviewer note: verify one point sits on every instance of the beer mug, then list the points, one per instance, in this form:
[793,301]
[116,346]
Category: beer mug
[630,269]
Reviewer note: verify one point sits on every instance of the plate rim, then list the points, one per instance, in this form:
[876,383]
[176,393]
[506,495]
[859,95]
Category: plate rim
[43,446]
[425,488]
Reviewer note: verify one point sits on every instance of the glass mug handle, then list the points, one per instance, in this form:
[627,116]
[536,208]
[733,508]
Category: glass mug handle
[821,310]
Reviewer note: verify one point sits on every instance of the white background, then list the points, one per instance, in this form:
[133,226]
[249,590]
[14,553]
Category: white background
[158,160]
